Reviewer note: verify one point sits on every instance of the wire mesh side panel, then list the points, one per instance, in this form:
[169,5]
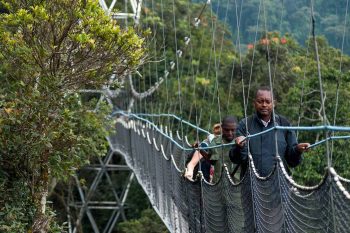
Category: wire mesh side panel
[267,202]
[227,207]
[168,184]
[341,208]
[121,140]
[272,204]
[238,203]
[306,210]
[180,195]
[193,201]
[152,157]
[187,214]
[179,155]
[214,209]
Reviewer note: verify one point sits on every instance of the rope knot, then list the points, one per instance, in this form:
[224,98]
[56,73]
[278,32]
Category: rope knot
[179,53]
[187,40]
[166,73]
[197,21]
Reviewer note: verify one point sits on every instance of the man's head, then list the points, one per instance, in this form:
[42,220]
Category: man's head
[217,129]
[263,103]
[228,126]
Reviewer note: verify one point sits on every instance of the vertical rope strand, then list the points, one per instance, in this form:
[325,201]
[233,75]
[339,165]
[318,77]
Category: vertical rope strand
[245,109]
[253,56]
[340,70]
[320,80]
[301,99]
[329,162]
[193,78]
[216,94]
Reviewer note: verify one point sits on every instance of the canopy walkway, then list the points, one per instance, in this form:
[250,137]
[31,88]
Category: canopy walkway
[156,154]
[256,204]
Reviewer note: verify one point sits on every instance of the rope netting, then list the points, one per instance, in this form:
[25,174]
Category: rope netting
[255,204]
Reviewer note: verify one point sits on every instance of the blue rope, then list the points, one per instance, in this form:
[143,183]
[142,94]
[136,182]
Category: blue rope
[155,127]
[329,139]
[302,128]
[167,115]
[176,143]
[314,128]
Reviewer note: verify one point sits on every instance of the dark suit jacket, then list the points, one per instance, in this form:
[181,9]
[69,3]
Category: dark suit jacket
[263,147]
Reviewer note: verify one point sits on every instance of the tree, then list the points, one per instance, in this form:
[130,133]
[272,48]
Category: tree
[149,222]
[48,51]
[303,102]
[292,17]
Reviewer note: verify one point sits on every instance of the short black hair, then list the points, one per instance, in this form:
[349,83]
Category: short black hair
[228,120]
[262,88]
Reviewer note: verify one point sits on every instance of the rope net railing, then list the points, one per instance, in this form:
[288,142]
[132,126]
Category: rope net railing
[255,204]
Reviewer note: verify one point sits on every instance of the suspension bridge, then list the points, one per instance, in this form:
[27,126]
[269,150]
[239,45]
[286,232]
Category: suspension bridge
[154,150]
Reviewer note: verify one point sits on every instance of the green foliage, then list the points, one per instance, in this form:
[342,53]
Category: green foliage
[293,17]
[149,222]
[49,50]
[16,211]
[191,88]
[312,169]
[302,104]
[136,202]
[270,51]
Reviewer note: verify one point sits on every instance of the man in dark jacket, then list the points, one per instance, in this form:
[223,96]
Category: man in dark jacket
[263,147]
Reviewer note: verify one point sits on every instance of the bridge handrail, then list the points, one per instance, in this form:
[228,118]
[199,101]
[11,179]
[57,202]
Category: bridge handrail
[165,115]
[294,128]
